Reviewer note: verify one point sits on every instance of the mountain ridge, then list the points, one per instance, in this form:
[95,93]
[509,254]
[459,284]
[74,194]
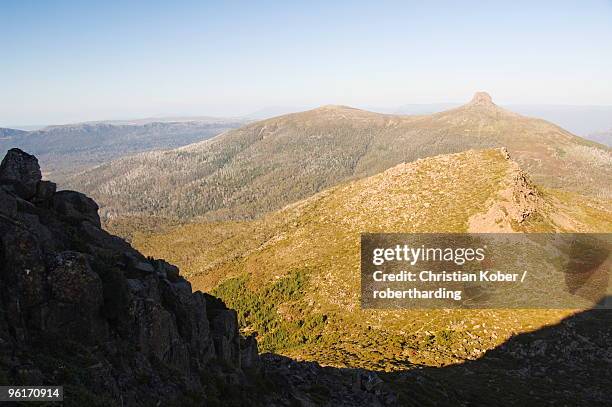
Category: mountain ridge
[264,165]
[8,132]
[603,137]
[66,149]
[314,244]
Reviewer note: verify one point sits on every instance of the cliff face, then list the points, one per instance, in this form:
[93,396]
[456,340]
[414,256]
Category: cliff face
[83,308]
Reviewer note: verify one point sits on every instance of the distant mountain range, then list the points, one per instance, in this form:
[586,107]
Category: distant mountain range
[603,137]
[6,134]
[580,120]
[66,149]
[266,165]
[584,121]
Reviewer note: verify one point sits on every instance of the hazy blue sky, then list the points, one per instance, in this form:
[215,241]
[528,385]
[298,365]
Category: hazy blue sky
[67,61]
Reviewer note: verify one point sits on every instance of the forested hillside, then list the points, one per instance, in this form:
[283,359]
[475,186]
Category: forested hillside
[265,165]
[66,149]
[6,134]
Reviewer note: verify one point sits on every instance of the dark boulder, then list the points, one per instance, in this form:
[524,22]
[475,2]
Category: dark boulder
[249,354]
[8,204]
[44,193]
[157,334]
[76,299]
[167,270]
[73,281]
[76,207]
[21,171]
[225,336]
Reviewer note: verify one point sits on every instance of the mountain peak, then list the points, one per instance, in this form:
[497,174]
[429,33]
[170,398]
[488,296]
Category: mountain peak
[482,99]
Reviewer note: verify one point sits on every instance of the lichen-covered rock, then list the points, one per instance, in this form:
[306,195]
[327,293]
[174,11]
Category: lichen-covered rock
[72,281]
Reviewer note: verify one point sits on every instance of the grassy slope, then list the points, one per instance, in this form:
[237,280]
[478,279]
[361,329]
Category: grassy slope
[294,274]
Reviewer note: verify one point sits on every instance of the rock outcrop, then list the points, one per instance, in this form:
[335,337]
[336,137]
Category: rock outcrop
[20,172]
[517,200]
[82,308]
[482,99]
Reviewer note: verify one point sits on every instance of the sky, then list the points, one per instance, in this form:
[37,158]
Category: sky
[68,61]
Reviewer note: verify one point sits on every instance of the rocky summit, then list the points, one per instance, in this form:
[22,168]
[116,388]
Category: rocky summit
[81,308]
[482,99]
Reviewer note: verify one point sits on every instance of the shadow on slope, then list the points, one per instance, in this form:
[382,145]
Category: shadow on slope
[566,364]
[563,364]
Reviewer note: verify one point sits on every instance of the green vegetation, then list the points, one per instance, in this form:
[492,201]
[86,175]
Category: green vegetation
[258,311]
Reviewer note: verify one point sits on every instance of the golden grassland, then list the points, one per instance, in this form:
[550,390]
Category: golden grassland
[293,275]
